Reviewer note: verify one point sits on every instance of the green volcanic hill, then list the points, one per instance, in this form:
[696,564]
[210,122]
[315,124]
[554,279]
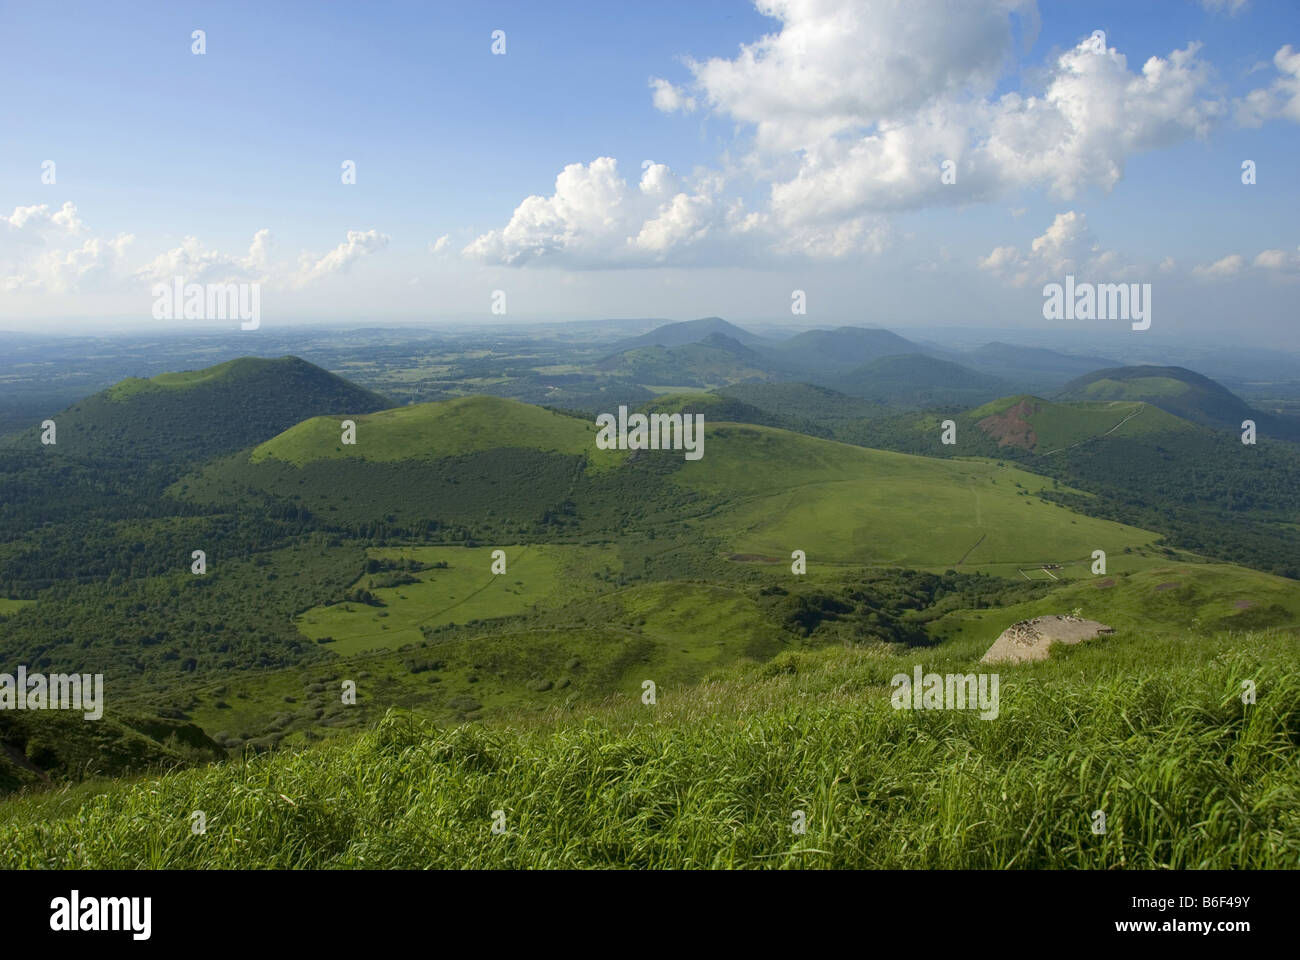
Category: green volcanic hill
[1179,391]
[841,348]
[1042,426]
[1199,486]
[717,359]
[432,431]
[495,465]
[689,331]
[202,413]
[481,463]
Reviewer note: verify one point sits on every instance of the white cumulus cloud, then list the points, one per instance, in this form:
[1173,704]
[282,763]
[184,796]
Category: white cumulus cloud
[1221,269]
[54,251]
[1068,246]
[595,217]
[1281,99]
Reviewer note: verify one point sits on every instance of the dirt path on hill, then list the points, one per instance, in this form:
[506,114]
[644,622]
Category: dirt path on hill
[972,549]
[1099,436]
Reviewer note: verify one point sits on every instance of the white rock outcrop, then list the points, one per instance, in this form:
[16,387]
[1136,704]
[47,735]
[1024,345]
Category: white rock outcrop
[1032,639]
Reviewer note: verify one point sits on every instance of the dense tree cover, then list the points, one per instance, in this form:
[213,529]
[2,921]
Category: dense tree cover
[225,408]
[890,606]
[402,497]
[919,433]
[78,519]
[95,503]
[97,549]
[1201,469]
[1204,491]
[916,380]
[475,497]
[36,748]
[806,407]
[238,616]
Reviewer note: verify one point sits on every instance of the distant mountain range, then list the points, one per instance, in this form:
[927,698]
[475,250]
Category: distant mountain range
[713,352]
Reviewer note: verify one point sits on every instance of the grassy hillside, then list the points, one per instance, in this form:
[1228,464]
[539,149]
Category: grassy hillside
[1150,731]
[845,504]
[757,490]
[38,749]
[1042,426]
[432,431]
[1146,599]
[1140,465]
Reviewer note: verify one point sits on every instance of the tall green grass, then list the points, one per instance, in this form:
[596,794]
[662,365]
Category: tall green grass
[1156,736]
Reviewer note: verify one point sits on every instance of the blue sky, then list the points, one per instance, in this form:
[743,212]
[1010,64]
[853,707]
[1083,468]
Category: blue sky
[806,161]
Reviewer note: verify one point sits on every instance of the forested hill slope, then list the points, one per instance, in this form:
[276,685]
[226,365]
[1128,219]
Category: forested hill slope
[201,413]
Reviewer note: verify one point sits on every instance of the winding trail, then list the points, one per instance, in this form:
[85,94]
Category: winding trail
[972,549]
[1140,408]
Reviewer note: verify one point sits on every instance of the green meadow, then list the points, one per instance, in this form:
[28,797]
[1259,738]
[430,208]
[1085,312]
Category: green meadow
[538,576]
[1136,387]
[8,606]
[845,504]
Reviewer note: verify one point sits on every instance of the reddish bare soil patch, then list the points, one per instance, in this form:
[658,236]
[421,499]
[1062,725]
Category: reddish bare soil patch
[1168,586]
[1244,604]
[1011,428]
[1108,582]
